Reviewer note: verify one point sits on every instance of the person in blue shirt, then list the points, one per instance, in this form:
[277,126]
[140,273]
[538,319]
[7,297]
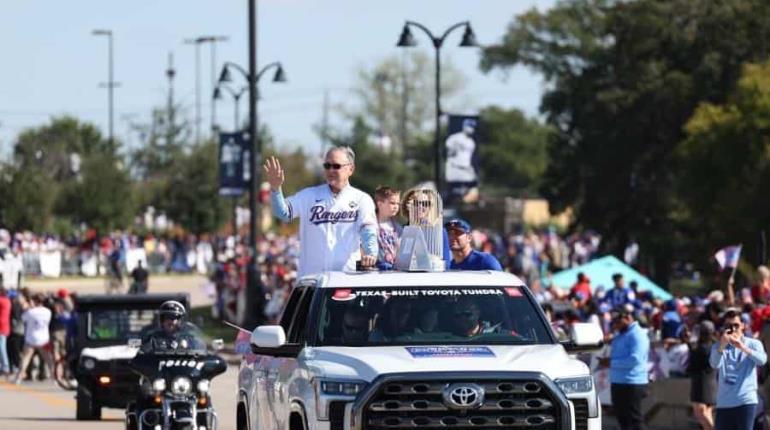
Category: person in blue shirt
[464,257]
[628,368]
[735,358]
[619,295]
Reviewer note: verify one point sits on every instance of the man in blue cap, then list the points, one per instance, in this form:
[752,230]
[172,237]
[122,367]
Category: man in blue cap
[464,257]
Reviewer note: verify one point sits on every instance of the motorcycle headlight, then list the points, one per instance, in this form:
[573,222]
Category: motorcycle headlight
[159,384]
[581,384]
[89,363]
[204,385]
[181,385]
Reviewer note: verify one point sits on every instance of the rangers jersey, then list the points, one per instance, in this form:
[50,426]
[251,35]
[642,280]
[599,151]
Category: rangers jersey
[330,227]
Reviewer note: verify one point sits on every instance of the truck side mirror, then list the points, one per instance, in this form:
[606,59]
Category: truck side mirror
[268,336]
[584,337]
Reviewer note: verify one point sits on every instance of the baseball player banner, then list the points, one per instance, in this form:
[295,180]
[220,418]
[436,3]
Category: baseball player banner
[231,154]
[461,167]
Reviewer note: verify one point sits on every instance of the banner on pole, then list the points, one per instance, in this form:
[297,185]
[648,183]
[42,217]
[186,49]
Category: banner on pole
[231,165]
[461,167]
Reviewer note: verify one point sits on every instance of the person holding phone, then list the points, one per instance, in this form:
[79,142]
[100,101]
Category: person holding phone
[735,358]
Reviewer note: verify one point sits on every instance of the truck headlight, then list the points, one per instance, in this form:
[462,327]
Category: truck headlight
[341,388]
[582,384]
[89,363]
[159,384]
[327,390]
[181,385]
[204,385]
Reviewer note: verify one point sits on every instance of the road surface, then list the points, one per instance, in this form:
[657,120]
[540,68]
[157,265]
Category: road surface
[43,405]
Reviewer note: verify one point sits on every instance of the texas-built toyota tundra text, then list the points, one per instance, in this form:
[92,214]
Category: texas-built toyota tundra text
[395,350]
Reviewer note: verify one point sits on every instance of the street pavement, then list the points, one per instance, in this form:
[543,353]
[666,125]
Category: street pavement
[43,405]
[191,284]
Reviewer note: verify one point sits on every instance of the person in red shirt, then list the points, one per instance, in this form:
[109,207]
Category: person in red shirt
[582,287]
[5,330]
[760,292]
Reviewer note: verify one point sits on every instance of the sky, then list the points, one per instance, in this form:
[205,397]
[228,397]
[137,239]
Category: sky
[52,64]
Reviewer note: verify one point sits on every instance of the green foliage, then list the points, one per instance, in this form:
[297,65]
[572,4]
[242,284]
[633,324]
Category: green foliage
[64,173]
[622,78]
[512,152]
[28,198]
[725,164]
[396,96]
[101,196]
[374,165]
[192,198]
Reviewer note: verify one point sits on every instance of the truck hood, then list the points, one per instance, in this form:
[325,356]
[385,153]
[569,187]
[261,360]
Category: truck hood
[370,362]
[105,353]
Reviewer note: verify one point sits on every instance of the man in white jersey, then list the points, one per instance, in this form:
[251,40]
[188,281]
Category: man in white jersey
[36,336]
[336,219]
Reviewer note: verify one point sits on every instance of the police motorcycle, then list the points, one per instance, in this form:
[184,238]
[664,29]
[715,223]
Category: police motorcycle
[175,369]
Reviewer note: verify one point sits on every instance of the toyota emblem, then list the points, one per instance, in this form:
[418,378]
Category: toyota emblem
[464,396]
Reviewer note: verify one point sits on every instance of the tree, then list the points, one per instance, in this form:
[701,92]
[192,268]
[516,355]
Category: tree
[623,77]
[163,140]
[512,151]
[724,166]
[374,166]
[66,171]
[28,198]
[192,197]
[102,197]
[396,97]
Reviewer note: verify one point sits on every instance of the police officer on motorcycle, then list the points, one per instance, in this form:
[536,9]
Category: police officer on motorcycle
[173,332]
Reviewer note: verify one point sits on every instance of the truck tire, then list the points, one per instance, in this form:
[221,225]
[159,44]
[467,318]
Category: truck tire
[87,409]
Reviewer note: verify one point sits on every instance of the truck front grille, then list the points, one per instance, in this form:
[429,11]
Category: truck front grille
[417,404]
[337,415]
[581,413]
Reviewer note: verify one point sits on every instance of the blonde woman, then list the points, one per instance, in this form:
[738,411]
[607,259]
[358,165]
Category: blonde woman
[422,207]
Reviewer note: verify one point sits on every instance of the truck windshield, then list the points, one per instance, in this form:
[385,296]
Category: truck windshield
[429,316]
[118,325]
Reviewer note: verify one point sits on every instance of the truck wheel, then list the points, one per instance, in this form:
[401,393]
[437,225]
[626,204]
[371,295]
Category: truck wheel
[87,409]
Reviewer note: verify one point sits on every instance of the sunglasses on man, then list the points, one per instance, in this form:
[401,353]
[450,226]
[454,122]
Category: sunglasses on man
[334,166]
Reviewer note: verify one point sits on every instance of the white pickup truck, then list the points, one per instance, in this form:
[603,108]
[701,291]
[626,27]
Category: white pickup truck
[398,350]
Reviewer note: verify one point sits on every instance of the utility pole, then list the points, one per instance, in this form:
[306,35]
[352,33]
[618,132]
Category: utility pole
[170,73]
[197,44]
[111,84]
[325,123]
[213,40]
[404,101]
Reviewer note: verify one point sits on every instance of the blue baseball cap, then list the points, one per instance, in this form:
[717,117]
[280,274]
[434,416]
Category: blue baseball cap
[469,122]
[458,224]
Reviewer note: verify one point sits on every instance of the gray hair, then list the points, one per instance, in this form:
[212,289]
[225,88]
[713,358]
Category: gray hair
[348,151]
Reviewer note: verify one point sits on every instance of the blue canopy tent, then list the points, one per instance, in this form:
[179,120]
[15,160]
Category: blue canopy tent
[600,272]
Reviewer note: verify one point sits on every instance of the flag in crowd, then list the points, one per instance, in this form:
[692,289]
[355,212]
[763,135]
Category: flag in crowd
[728,256]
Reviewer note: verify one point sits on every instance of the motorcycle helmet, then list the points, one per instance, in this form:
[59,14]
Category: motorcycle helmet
[171,309]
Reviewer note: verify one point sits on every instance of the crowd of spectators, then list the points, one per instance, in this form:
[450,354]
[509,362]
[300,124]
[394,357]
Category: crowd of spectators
[35,329]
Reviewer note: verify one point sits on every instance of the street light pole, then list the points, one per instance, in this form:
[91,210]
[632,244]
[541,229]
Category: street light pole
[197,44]
[110,82]
[254,288]
[255,153]
[407,40]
